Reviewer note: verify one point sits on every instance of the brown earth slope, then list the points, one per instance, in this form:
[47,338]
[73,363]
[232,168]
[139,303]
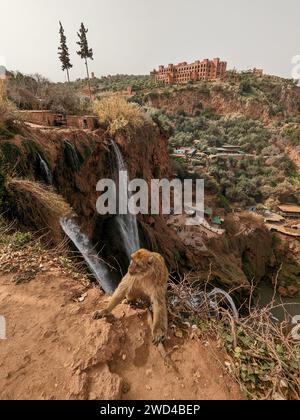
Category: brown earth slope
[54,350]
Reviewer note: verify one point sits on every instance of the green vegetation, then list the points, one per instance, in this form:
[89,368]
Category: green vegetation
[261,354]
[36,92]
[63,52]
[292,135]
[121,82]
[21,239]
[34,150]
[10,153]
[264,359]
[85,52]
[7,115]
[6,131]
[264,170]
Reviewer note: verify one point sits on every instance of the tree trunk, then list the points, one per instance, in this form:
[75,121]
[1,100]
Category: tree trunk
[88,78]
[68,75]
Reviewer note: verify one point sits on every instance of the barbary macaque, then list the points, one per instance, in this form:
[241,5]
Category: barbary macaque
[147,279]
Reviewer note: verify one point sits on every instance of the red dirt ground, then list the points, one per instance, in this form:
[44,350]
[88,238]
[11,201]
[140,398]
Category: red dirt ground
[54,350]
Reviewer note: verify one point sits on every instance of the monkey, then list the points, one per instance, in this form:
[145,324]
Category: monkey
[147,279]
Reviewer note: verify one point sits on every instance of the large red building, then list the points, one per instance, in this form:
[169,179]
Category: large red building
[184,72]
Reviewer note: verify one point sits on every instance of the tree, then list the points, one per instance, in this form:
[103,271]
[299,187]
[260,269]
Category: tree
[85,52]
[63,52]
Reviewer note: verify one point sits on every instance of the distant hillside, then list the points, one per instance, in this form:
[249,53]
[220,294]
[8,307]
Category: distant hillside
[264,97]
[258,115]
[118,82]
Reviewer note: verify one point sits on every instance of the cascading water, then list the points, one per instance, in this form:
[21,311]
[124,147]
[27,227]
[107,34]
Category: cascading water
[71,156]
[217,292]
[127,223]
[210,298]
[83,245]
[45,170]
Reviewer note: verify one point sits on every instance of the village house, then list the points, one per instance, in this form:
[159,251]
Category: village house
[184,152]
[232,148]
[86,122]
[273,218]
[183,72]
[258,72]
[289,211]
[48,118]
[255,72]
[40,117]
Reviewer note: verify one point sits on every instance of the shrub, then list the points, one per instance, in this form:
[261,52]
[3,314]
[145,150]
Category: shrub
[7,109]
[245,87]
[292,135]
[161,119]
[10,153]
[64,100]
[118,114]
[21,239]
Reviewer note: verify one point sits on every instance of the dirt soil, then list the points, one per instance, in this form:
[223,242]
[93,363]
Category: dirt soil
[54,350]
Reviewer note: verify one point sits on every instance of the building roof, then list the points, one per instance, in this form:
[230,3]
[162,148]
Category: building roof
[187,149]
[37,111]
[287,208]
[230,146]
[179,155]
[274,218]
[284,230]
[217,220]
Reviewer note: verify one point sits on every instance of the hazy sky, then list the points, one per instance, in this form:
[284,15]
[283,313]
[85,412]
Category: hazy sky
[134,36]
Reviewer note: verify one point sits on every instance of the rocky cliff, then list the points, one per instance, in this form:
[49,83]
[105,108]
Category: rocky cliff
[268,102]
[76,160]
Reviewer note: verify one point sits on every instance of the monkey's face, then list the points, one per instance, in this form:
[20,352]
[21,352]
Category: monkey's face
[140,263]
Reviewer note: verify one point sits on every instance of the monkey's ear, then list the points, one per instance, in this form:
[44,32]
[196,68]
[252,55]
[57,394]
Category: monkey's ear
[151,260]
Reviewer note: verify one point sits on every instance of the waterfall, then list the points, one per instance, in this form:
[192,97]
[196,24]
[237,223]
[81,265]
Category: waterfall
[84,246]
[45,170]
[127,223]
[215,292]
[198,301]
[71,156]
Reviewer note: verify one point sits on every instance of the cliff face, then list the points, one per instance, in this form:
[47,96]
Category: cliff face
[225,100]
[78,160]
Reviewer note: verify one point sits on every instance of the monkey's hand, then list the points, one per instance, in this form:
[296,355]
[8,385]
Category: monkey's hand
[100,314]
[159,335]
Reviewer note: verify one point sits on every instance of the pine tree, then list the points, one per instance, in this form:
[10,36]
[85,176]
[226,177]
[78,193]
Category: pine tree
[63,52]
[85,52]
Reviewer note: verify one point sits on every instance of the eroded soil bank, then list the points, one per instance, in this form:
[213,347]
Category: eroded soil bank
[54,350]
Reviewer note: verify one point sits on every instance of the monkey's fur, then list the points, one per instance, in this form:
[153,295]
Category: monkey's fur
[147,279]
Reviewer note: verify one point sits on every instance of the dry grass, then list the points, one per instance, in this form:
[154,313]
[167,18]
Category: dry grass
[24,255]
[118,114]
[262,355]
[37,206]
[7,110]
[49,200]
